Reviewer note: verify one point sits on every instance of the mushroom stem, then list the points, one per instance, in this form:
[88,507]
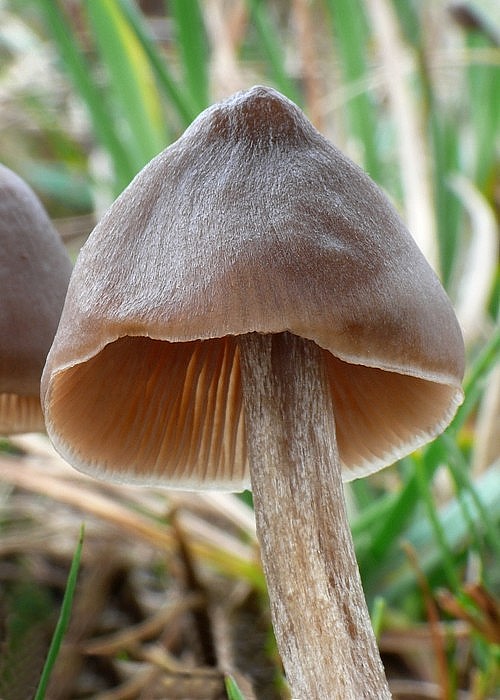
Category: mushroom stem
[319,613]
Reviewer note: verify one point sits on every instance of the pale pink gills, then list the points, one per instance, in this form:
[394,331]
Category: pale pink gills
[251,221]
[34,276]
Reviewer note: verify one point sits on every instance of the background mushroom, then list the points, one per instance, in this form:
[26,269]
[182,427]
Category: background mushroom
[251,308]
[34,276]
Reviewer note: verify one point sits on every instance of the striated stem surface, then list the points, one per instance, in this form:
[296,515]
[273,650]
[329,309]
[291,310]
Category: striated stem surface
[319,612]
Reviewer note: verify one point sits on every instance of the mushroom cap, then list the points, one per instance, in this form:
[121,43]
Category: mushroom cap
[34,276]
[250,222]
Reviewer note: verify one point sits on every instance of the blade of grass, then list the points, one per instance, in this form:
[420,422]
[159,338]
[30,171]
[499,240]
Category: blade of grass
[192,45]
[389,528]
[394,514]
[268,38]
[410,20]
[494,304]
[233,692]
[181,100]
[444,141]
[474,287]
[351,36]
[63,621]
[412,147]
[26,613]
[477,375]
[368,518]
[466,491]
[399,579]
[80,74]
[424,482]
[131,80]
[483,90]
[363,493]
[377,615]
[443,136]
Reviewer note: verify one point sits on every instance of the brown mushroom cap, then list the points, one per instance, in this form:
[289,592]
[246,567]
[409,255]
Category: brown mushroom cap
[251,221]
[34,276]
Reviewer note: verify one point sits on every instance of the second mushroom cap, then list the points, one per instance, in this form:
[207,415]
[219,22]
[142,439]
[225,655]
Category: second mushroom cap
[34,276]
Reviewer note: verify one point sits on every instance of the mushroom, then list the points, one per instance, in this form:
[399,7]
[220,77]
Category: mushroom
[34,276]
[252,309]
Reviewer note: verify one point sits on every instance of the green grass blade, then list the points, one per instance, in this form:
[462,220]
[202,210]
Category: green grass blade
[131,80]
[494,304]
[232,690]
[369,518]
[446,156]
[469,498]
[483,91]
[424,481]
[192,45]
[80,74]
[409,21]
[26,611]
[62,623]
[180,100]
[400,579]
[475,380]
[443,139]
[377,616]
[351,38]
[388,529]
[267,35]
[395,514]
